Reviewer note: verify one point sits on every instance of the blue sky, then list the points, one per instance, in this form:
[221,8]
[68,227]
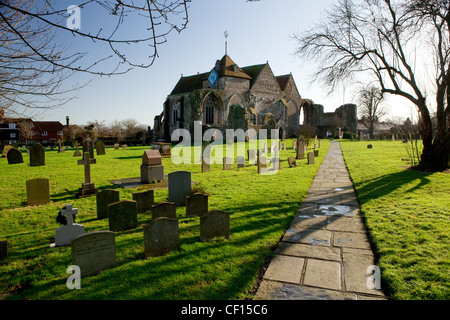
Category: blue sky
[258,32]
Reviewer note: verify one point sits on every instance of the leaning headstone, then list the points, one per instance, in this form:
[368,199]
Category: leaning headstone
[38,191]
[37,155]
[104,198]
[292,163]
[88,146]
[152,169]
[196,205]
[227,163]
[94,252]
[100,147]
[3,249]
[65,233]
[14,156]
[161,236]
[214,224]
[122,215]
[164,209]
[251,156]
[311,158]
[144,200]
[179,187]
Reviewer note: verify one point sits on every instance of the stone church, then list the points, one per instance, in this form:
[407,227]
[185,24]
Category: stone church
[231,97]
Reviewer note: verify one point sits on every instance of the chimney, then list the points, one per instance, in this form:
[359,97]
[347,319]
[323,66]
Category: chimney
[2,113]
[67,120]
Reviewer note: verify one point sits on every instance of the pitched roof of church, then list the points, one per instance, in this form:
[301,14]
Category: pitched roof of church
[188,84]
[283,80]
[228,68]
[253,72]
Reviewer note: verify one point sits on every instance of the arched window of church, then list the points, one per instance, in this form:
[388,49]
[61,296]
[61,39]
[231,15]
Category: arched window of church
[209,111]
[176,113]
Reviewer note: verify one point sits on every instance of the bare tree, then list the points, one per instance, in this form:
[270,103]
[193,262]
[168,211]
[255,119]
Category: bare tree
[371,107]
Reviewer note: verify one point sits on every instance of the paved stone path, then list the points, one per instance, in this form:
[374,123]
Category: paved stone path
[325,253]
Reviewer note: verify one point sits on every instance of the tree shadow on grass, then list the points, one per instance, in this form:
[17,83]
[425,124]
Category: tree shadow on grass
[387,184]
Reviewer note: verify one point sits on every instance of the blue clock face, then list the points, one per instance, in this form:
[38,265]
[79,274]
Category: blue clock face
[213,76]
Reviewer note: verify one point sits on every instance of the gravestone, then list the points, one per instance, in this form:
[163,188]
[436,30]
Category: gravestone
[294,144]
[37,155]
[14,156]
[300,148]
[369,146]
[88,146]
[104,198]
[122,215]
[227,163]
[87,188]
[125,147]
[77,152]
[3,249]
[116,146]
[60,147]
[164,209]
[214,224]
[100,147]
[311,158]
[196,205]
[316,153]
[65,233]
[241,162]
[94,252]
[179,187]
[161,236]
[262,164]
[292,163]
[144,200]
[206,167]
[38,191]
[251,153]
[6,150]
[152,169]
[284,146]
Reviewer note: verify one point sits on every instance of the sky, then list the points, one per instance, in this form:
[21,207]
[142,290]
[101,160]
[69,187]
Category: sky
[259,32]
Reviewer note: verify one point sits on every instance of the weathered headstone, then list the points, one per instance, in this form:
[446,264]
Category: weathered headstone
[369,146]
[125,147]
[94,252]
[122,215]
[206,166]
[144,200]
[240,162]
[262,164]
[161,236]
[164,209]
[100,147]
[227,163]
[37,155]
[6,150]
[294,144]
[65,233]
[196,205]
[88,146]
[38,191]
[77,152]
[152,169]
[3,249]
[214,224]
[292,163]
[251,156]
[316,153]
[284,146]
[87,188]
[60,146]
[116,146]
[14,156]
[311,158]
[179,187]
[104,198]
[300,148]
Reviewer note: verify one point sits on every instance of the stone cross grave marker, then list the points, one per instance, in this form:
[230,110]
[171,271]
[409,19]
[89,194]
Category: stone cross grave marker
[104,198]
[77,152]
[65,233]
[94,252]
[164,209]
[14,156]
[60,146]
[161,236]
[87,188]
[100,147]
[38,191]
[144,200]
[214,224]
[179,187]
[122,215]
[37,155]
[196,205]
[88,146]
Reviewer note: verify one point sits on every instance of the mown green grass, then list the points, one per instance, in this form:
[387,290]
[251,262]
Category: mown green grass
[407,213]
[261,209]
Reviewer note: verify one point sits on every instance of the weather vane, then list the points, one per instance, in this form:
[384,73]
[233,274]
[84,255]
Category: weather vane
[226,42]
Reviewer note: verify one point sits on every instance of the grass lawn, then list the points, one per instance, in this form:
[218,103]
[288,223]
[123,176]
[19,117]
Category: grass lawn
[261,209]
[407,213]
